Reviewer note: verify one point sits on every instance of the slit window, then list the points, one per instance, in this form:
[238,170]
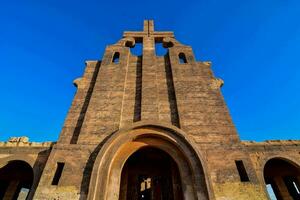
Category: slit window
[182,58]
[271,192]
[242,171]
[292,186]
[58,172]
[116,58]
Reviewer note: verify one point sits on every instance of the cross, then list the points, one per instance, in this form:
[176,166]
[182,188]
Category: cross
[148,32]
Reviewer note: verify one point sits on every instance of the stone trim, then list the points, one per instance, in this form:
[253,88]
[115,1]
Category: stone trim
[272,142]
[26,144]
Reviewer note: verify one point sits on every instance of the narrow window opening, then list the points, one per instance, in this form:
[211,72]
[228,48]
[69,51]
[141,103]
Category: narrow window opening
[292,186]
[145,187]
[116,58]
[58,172]
[242,171]
[271,192]
[296,187]
[182,58]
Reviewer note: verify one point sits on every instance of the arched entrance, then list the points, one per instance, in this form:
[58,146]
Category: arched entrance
[150,174]
[282,179]
[174,146]
[16,179]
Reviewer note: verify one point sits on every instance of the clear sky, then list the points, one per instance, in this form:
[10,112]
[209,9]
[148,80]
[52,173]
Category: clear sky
[254,47]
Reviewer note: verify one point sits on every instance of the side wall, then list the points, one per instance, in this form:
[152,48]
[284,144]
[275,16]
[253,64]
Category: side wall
[74,180]
[261,152]
[35,154]
[224,175]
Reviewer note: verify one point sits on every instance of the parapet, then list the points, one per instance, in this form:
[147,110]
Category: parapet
[24,142]
[272,142]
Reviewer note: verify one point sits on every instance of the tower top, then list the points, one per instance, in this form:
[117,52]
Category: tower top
[148,32]
[148,26]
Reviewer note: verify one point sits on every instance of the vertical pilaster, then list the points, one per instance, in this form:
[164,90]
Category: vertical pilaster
[103,115]
[131,99]
[149,77]
[164,110]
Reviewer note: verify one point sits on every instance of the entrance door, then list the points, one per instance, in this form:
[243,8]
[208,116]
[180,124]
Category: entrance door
[150,174]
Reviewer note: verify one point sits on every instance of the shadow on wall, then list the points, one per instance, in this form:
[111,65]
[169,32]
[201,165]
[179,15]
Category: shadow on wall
[87,172]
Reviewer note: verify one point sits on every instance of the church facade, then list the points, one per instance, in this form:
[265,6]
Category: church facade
[148,127]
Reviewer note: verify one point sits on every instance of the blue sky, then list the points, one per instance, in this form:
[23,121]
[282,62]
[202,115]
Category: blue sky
[254,47]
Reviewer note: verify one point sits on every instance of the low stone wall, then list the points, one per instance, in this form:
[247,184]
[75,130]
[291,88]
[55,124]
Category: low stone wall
[26,144]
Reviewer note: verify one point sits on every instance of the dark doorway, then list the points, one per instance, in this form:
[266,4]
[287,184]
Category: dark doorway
[282,179]
[150,174]
[15,180]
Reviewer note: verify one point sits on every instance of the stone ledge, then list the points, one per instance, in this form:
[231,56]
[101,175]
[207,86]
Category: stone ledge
[23,141]
[26,144]
[272,142]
